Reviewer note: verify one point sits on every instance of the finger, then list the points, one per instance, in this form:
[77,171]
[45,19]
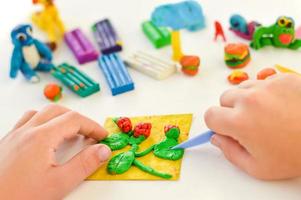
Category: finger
[70,124]
[49,112]
[229,97]
[24,119]
[249,84]
[221,120]
[273,76]
[82,165]
[234,152]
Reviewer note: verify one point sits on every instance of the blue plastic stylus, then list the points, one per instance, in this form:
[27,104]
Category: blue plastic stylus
[195,141]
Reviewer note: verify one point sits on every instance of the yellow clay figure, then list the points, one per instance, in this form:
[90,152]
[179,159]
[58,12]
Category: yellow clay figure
[49,21]
[176,45]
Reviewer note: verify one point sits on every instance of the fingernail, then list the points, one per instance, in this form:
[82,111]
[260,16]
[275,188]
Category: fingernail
[104,153]
[215,141]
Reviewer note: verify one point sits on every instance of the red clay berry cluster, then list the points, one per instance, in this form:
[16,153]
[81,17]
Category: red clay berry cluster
[125,124]
[142,129]
[168,127]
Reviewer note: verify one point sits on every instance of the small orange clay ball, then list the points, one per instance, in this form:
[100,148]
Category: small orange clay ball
[237,76]
[266,72]
[53,91]
[190,65]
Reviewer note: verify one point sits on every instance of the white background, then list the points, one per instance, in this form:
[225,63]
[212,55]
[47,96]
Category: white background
[205,173]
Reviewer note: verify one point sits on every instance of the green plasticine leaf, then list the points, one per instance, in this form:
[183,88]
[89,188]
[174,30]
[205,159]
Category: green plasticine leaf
[163,150]
[136,140]
[121,162]
[116,141]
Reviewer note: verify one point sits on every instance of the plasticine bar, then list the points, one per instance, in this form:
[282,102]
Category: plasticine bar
[76,80]
[159,36]
[116,74]
[106,37]
[151,65]
[80,46]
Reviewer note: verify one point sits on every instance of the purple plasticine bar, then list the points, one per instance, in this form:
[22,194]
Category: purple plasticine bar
[106,37]
[80,46]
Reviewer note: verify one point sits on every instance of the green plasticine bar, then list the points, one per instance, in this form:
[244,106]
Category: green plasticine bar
[75,80]
[159,36]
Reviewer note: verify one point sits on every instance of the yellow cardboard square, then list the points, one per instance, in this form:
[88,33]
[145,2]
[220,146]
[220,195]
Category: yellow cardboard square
[183,121]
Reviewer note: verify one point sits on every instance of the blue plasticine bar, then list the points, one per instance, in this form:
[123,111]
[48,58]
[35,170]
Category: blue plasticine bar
[116,74]
[106,37]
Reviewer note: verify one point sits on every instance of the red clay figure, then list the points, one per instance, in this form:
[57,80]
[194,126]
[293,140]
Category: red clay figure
[219,31]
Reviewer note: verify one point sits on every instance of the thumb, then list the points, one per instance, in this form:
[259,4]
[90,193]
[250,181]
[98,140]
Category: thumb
[83,164]
[234,152]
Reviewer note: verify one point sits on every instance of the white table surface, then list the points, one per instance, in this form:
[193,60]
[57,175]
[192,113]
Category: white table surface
[205,173]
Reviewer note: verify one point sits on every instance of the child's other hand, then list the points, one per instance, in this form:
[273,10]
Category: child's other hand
[259,126]
[28,168]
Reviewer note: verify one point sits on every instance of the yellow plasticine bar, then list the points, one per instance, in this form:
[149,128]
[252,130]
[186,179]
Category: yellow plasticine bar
[283,69]
[176,45]
[183,121]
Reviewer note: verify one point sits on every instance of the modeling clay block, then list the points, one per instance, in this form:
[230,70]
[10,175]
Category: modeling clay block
[106,37]
[53,92]
[237,55]
[75,80]
[159,36]
[241,28]
[183,15]
[151,65]
[237,76]
[116,74]
[190,65]
[281,34]
[80,46]
[266,72]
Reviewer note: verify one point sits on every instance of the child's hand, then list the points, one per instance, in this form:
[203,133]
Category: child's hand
[28,168]
[259,126]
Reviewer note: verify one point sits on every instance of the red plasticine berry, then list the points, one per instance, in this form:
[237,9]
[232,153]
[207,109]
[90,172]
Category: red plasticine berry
[53,92]
[125,124]
[142,129]
[168,127]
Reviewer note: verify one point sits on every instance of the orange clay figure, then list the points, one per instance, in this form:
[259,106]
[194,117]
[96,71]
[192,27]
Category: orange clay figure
[237,76]
[266,72]
[53,92]
[49,21]
[219,31]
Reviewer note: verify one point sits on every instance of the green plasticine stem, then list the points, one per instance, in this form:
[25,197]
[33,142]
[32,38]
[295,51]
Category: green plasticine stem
[145,152]
[150,170]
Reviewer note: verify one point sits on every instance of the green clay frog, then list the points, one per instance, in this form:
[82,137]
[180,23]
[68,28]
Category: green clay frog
[281,34]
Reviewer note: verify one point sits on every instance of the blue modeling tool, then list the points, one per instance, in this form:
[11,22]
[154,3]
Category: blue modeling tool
[195,141]
[116,74]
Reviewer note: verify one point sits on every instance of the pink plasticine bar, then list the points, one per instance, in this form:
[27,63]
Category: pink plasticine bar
[81,47]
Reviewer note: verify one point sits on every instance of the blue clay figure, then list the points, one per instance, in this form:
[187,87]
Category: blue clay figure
[29,54]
